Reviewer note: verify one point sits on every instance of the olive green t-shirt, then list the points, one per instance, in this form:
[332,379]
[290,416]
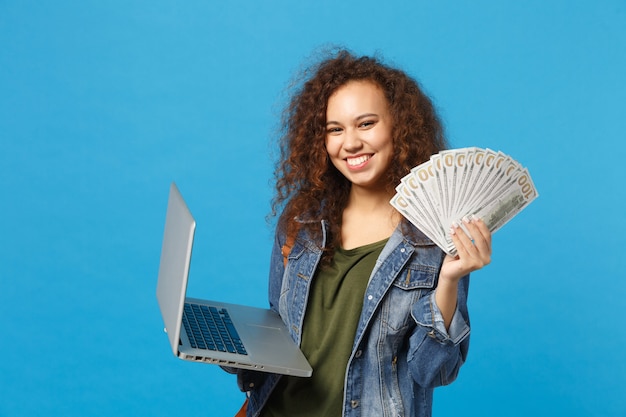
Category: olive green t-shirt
[329,328]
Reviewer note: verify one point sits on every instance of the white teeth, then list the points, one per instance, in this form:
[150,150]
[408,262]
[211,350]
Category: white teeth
[357,161]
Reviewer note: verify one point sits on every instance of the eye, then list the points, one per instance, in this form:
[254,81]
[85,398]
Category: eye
[367,123]
[334,129]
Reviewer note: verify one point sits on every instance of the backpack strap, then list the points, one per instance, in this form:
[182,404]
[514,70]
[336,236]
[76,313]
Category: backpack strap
[244,408]
[286,249]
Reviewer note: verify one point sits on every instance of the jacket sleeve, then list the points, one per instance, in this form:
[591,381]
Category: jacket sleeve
[277,270]
[436,354]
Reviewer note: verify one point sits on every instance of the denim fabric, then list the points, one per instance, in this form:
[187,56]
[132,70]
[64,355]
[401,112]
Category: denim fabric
[401,351]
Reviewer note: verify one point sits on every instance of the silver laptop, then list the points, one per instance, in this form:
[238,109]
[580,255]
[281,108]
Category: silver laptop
[214,332]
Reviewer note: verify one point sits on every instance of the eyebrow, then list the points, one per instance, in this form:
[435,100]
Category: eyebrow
[359,118]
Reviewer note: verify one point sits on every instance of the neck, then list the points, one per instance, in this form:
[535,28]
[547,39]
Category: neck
[369,200]
[368,217]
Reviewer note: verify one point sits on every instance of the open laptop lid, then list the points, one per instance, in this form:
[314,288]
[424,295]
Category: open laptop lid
[174,267]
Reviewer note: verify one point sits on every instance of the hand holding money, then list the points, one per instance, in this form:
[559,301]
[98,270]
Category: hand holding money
[462,184]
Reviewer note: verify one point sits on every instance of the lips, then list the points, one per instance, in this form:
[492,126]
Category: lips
[357,161]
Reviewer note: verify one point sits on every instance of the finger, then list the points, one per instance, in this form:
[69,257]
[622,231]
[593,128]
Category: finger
[481,238]
[478,231]
[482,228]
[461,239]
[471,256]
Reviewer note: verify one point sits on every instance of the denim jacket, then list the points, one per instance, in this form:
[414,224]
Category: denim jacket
[401,349]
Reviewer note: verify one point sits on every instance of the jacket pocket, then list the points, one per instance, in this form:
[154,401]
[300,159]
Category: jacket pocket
[417,276]
[410,285]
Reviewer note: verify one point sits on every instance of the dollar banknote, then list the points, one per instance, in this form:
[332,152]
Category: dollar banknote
[463,183]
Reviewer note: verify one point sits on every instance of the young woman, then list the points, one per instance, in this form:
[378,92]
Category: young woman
[377,308]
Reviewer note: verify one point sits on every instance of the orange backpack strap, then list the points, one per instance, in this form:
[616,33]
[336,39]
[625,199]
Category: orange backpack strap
[286,249]
[243,410]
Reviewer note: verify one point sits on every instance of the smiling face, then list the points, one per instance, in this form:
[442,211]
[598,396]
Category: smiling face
[358,134]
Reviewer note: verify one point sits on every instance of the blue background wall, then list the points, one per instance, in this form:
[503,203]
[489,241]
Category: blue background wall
[103,104]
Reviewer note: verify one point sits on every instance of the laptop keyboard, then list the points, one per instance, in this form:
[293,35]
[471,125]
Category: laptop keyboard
[211,328]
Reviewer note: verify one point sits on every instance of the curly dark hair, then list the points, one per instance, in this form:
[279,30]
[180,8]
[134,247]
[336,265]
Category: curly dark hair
[308,186]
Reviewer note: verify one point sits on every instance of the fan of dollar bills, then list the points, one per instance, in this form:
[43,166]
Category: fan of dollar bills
[463,183]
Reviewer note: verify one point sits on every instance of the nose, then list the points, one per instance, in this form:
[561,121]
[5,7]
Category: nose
[352,141]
